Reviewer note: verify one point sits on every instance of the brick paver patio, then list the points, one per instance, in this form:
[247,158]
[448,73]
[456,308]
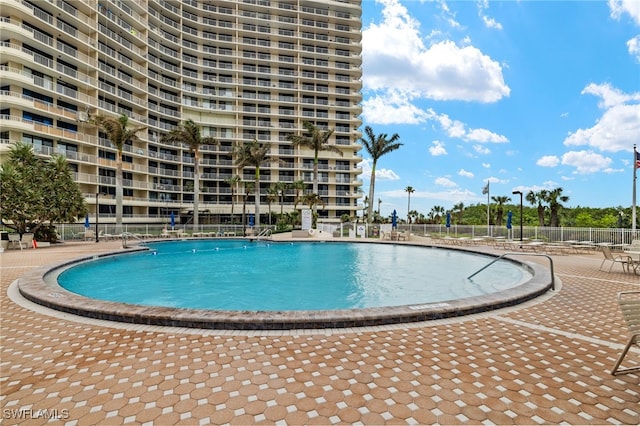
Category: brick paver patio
[545,362]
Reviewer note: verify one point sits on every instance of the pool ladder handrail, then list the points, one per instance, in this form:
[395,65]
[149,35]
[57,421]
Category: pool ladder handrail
[553,280]
[129,234]
[264,233]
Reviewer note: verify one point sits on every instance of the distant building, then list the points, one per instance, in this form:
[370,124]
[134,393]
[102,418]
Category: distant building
[242,70]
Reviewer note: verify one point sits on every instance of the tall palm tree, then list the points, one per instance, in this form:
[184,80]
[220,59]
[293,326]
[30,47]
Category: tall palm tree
[312,200]
[377,146]
[248,188]
[409,190]
[500,200]
[281,188]
[457,210]
[232,181]
[272,195]
[438,211]
[252,154]
[555,198]
[119,134]
[188,133]
[538,198]
[298,187]
[317,140]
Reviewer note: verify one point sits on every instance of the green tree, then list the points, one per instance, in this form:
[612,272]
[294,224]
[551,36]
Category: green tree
[272,195]
[555,199]
[281,189]
[232,181]
[377,146]
[500,200]
[248,188]
[298,187]
[253,154]
[538,198]
[119,133]
[436,213]
[409,190]
[34,192]
[188,133]
[317,140]
[312,200]
[458,210]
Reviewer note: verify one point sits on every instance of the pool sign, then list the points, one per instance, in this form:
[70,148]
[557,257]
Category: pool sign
[306,219]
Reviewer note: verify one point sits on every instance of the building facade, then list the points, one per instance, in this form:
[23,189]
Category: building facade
[242,70]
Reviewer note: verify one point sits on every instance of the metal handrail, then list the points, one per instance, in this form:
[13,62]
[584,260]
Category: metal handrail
[553,279]
[264,233]
[129,234]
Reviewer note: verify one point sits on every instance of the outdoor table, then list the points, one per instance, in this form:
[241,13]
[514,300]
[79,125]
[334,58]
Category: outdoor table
[635,257]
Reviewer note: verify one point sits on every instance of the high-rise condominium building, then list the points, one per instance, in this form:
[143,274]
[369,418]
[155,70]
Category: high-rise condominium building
[242,70]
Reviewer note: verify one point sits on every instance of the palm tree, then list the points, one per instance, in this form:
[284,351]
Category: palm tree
[188,133]
[539,198]
[232,181]
[252,154]
[119,134]
[409,190]
[317,140]
[272,195]
[377,146]
[500,200]
[457,210]
[248,188]
[298,187]
[312,200]
[281,189]
[555,197]
[413,216]
[438,211]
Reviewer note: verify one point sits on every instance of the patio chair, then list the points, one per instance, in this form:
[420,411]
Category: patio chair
[14,240]
[625,261]
[629,302]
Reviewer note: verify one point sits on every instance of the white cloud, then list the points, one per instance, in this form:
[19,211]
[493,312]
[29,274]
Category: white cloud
[446,182]
[392,108]
[386,174]
[548,161]
[465,173]
[480,149]
[437,148]
[634,47]
[484,135]
[586,162]
[486,165]
[395,58]
[618,127]
[381,174]
[631,7]
[488,22]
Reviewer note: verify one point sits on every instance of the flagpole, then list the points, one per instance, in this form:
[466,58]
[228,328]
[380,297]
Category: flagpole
[488,214]
[633,200]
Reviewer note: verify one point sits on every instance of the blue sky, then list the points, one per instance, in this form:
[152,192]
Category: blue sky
[528,95]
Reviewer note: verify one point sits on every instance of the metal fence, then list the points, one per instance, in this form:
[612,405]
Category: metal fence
[614,236]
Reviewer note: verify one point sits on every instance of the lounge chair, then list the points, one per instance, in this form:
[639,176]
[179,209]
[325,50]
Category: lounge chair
[629,302]
[14,240]
[625,261]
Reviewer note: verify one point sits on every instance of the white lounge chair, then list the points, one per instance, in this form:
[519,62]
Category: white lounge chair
[629,302]
[623,260]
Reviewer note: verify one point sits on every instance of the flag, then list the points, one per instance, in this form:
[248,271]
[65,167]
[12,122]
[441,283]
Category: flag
[485,190]
[637,163]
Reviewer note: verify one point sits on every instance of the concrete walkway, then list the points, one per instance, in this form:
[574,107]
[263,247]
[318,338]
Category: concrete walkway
[545,362]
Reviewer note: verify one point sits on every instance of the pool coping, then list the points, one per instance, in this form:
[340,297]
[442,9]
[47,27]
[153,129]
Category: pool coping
[34,287]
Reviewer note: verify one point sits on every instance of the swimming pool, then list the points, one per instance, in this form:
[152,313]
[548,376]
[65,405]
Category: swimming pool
[41,286]
[238,275]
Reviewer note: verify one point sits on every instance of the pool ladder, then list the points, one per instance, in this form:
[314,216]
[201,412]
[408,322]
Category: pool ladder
[126,235]
[553,280]
[265,233]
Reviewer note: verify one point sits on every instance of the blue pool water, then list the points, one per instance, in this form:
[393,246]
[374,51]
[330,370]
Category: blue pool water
[270,276]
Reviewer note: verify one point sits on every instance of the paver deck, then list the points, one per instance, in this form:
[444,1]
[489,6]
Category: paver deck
[544,362]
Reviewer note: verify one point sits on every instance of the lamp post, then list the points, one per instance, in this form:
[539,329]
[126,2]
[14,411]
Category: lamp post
[97,215]
[520,193]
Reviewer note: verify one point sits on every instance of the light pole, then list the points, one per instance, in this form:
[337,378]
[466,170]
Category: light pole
[97,215]
[520,193]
